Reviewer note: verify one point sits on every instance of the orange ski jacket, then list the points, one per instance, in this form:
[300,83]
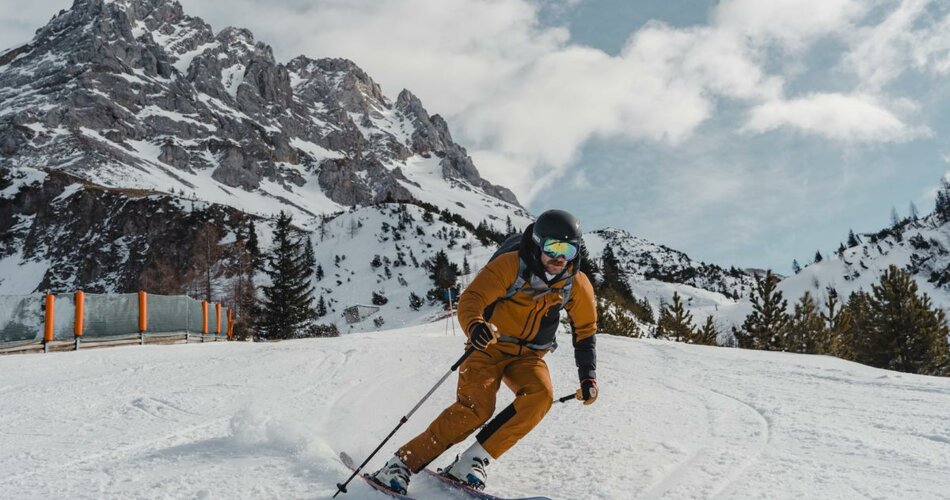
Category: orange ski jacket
[526,315]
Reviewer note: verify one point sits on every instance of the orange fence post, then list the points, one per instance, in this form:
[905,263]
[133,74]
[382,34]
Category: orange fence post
[230,324]
[204,317]
[143,312]
[48,333]
[217,313]
[80,300]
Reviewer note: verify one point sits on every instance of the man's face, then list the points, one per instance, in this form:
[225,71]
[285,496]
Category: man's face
[552,265]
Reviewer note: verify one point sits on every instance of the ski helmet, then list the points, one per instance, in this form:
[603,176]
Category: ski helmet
[557,224]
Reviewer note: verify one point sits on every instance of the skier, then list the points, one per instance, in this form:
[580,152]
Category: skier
[511,323]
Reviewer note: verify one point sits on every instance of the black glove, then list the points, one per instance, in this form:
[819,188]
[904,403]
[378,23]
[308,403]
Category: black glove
[588,391]
[480,335]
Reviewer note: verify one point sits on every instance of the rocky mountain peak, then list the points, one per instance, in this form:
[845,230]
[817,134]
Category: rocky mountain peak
[135,96]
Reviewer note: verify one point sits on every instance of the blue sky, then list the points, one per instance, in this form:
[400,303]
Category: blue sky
[742,132]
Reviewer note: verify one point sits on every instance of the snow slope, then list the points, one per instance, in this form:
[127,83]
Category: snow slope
[242,420]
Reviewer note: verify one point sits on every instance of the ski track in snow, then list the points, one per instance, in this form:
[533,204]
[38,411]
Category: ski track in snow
[241,420]
[736,435]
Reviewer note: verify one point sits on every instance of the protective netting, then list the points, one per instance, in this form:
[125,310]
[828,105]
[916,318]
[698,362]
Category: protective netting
[212,319]
[111,315]
[172,313]
[64,320]
[195,320]
[21,318]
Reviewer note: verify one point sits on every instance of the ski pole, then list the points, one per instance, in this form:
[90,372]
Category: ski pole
[341,487]
[566,398]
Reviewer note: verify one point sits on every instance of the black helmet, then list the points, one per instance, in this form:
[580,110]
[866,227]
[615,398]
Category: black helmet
[556,224]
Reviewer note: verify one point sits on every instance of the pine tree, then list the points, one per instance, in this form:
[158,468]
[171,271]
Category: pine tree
[613,320]
[319,272]
[766,326]
[913,212]
[415,301]
[853,240]
[942,208]
[442,272]
[509,227]
[613,273]
[288,302]
[818,257]
[466,269]
[796,267]
[253,248]
[587,265]
[852,344]
[905,332]
[707,334]
[837,322]
[321,307]
[675,322]
[309,257]
[806,331]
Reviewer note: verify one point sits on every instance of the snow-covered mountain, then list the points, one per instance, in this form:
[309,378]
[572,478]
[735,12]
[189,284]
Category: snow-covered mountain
[267,420]
[128,129]
[124,123]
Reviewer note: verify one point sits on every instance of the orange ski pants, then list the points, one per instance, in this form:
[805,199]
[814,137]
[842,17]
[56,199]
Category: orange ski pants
[480,377]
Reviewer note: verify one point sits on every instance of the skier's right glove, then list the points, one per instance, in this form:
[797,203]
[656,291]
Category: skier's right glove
[588,391]
[480,335]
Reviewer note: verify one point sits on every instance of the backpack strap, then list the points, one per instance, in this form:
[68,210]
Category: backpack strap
[523,279]
[519,282]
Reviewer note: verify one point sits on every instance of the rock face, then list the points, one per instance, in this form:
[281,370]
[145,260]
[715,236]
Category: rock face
[137,83]
[134,96]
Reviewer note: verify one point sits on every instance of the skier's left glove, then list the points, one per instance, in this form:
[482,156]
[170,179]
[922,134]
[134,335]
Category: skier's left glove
[588,391]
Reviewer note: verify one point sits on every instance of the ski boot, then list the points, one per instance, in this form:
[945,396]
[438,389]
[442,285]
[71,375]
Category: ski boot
[469,468]
[394,475]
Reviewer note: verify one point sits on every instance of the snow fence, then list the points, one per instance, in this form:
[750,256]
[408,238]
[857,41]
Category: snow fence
[38,320]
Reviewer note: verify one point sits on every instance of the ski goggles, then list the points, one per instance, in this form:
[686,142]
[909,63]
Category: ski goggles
[559,248]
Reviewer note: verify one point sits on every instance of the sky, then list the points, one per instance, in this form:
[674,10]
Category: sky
[742,132]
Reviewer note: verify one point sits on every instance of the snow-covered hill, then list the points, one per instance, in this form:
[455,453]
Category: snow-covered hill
[922,247]
[383,250]
[242,420]
[655,272]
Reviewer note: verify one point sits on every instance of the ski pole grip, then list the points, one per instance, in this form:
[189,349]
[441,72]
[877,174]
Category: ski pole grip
[567,398]
[468,352]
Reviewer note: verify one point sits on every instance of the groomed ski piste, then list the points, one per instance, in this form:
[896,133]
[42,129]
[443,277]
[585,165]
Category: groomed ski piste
[268,420]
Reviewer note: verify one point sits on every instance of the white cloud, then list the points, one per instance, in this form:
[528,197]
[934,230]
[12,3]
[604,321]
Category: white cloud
[791,23]
[909,36]
[526,99]
[452,53]
[835,116]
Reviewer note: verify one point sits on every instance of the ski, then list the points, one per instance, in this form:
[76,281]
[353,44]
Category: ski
[348,461]
[472,492]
